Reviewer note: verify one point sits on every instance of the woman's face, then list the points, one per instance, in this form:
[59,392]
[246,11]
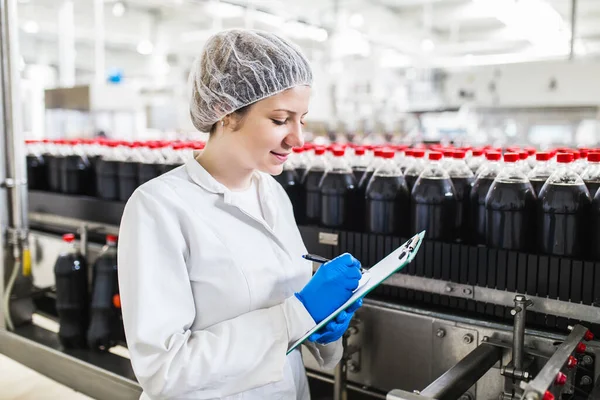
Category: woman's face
[270,129]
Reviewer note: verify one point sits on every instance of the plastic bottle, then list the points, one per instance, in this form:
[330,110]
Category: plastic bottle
[338,193]
[105,325]
[564,209]
[475,160]
[595,227]
[433,202]
[591,174]
[37,171]
[540,172]
[407,161]
[523,162]
[301,162]
[510,208]
[151,164]
[54,160]
[72,299]
[290,183]
[479,191]
[360,163]
[127,170]
[312,187]
[462,178]
[107,176]
[74,169]
[388,200]
[448,158]
[413,172]
[581,161]
[531,160]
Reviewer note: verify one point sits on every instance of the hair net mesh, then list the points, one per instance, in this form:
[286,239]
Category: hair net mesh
[238,67]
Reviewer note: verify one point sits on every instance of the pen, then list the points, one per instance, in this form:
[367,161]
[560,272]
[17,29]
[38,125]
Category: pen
[323,260]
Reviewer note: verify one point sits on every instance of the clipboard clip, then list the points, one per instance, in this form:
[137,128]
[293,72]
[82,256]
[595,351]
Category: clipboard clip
[409,247]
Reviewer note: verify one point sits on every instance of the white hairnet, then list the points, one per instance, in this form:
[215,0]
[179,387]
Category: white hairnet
[238,67]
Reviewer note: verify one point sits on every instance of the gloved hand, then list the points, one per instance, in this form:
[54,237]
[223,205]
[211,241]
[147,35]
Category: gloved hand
[331,286]
[335,328]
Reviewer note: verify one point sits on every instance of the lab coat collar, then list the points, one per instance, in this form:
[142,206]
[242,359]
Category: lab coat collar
[205,180]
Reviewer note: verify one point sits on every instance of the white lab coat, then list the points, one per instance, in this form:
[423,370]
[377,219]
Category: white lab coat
[207,291]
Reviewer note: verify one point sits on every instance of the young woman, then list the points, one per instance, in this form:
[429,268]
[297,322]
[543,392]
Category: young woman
[213,287]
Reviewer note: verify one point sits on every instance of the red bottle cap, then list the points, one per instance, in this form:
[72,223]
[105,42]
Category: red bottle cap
[460,154]
[542,156]
[111,238]
[571,362]
[116,301]
[523,155]
[493,156]
[435,155]
[319,151]
[548,396]
[511,157]
[68,237]
[339,152]
[560,379]
[588,336]
[448,153]
[389,153]
[359,151]
[477,152]
[564,157]
[594,157]
[419,153]
[581,348]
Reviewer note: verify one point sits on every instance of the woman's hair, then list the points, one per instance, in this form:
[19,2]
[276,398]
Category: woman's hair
[239,115]
[239,67]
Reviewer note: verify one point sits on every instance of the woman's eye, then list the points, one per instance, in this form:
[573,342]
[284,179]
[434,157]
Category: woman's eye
[301,122]
[278,122]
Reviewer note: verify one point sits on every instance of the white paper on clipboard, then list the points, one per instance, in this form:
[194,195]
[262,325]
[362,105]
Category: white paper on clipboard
[393,262]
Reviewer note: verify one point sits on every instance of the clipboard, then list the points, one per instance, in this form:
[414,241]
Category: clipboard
[378,273]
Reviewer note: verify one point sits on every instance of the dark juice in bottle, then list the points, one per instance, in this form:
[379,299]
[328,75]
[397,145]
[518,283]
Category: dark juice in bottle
[388,201]
[462,179]
[289,181]
[312,188]
[433,202]
[563,211]
[537,184]
[338,191]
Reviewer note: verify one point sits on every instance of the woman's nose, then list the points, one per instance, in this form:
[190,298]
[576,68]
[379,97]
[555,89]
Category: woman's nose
[295,137]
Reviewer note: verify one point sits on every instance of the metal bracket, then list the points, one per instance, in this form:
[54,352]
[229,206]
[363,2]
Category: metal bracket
[328,238]
[10,183]
[541,305]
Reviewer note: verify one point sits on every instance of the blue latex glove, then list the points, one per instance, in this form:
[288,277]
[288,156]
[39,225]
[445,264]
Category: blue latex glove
[331,286]
[335,328]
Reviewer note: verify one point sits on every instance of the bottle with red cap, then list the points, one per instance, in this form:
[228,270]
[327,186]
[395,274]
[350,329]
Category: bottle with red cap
[291,184]
[152,163]
[300,161]
[510,209]
[475,160]
[462,178]
[388,199]
[37,170]
[368,174]
[106,321]
[54,159]
[433,202]
[107,175]
[338,193]
[414,170]
[479,191]
[564,209]
[127,170]
[541,171]
[523,162]
[312,187]
[75,169]
[360,163]
[72,298]
[591,174]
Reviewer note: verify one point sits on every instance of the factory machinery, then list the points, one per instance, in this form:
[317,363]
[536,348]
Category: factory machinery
[460,322]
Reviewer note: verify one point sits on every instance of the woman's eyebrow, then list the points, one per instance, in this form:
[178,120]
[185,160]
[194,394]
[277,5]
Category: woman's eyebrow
[289,111]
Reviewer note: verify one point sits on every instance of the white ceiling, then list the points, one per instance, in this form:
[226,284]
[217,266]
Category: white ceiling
[416,32]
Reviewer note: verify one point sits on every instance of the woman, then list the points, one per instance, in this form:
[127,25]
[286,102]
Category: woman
[213,287]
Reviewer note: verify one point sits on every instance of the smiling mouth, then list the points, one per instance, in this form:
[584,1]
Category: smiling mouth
[280,154]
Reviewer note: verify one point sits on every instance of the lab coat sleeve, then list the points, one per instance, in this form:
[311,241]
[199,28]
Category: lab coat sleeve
[327,355]
[158,307]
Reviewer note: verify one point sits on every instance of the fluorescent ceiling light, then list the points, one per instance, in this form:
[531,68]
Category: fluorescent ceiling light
[301,30]
[31,27]
[356,20]
[427,45]
[118,9]
[534,20]
[224,10]
[269,19]
[145,47]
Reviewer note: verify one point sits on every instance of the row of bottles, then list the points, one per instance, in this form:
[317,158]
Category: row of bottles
[88,321]
[110,170]
[539,204]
